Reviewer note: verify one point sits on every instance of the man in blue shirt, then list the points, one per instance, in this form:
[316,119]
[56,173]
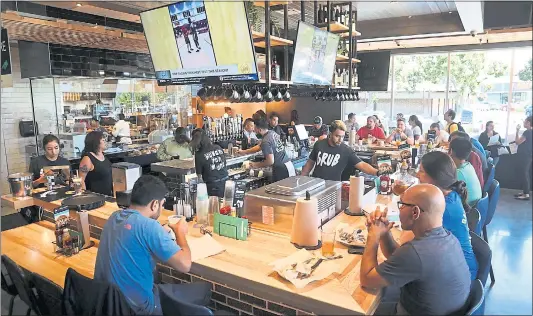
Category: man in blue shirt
[133,239]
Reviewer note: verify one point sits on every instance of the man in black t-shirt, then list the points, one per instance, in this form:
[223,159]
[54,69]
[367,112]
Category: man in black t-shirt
[331,156]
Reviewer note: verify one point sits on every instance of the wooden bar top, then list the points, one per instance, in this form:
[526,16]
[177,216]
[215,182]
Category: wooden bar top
[244,265]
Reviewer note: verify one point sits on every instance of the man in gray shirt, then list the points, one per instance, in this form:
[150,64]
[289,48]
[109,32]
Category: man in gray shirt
[430,270]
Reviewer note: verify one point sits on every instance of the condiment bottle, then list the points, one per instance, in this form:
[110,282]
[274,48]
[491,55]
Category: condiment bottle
[67,242]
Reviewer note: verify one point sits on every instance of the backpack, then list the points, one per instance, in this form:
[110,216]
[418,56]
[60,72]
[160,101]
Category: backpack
[460,127]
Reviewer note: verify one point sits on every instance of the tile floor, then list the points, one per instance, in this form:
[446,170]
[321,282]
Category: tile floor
[510,237]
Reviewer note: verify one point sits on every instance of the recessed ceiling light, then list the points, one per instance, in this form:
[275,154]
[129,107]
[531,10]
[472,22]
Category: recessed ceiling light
[394,2]
[409,16]
[450,12]
[78,4]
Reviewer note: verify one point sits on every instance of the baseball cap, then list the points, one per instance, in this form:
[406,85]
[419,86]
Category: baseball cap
[317,120]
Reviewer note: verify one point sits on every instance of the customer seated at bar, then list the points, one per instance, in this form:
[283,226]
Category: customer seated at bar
[451,126]
[476,158]
[438,168]
[484,140]
[430,270]
[273,152]
[441,136]
[351,123]
[273,125]
[318,130]
[50,158]
[331,156]
[401,133]
[379,124]
[133,238]
[371,129]
[210,163]
[176,147]
[95,168]
[460,149]
[416,126]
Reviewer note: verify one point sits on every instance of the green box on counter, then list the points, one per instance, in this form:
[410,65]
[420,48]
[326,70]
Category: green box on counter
[232,227]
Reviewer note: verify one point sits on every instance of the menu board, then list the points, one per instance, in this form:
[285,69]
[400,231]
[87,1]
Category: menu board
[314,55]
[190,41]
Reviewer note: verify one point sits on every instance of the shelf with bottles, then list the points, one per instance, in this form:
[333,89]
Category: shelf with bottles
[278,82]
[337,27]
[274,40]
[345,87]
[270,3]
[342,58]
[338,19]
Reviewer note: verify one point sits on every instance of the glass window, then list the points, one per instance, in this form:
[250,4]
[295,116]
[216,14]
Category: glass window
[522,95]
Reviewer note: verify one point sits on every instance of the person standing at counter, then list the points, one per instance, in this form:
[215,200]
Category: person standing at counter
[371,129]
[273,151]
[210,163]
[95,168]
[319,130]
[121,130]
[401,133]
[178,146]
[430,270]
[50,158]
[331,156]
[273,125]
[525,153]
[133,238]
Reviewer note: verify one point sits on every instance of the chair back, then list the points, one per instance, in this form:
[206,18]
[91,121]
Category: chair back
[475,299]
[7,284]
[473,217]
[173,306]
[488,176]
[483,207]
[483,255]
[494,197]
[21,283]
[49,295]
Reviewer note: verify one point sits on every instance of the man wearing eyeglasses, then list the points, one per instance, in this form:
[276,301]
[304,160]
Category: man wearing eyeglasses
[430,270]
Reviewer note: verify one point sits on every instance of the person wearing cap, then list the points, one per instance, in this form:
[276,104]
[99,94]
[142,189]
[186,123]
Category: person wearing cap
[318,130]
[331,156]
[371,129]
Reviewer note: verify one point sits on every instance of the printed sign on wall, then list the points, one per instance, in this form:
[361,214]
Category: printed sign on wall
[5,66]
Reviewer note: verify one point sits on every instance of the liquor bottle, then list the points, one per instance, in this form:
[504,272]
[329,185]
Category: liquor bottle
[275,69]
[320,16]
[325,14]
[342,16]
[346,17]
[337,15]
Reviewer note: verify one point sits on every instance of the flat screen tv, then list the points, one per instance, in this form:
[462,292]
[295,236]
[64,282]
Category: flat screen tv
[314,55]
[373,71]
[191,41]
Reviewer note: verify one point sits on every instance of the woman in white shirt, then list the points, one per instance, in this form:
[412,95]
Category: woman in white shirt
[416,126]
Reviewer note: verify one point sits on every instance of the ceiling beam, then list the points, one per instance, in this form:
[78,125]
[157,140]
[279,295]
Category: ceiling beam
[405,26]
[471,13]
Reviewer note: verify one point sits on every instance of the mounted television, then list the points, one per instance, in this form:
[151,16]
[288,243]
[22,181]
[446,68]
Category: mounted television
[373,71]
[314,55]
[192,41]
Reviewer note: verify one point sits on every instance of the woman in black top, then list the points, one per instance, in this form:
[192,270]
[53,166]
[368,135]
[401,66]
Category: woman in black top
[210,163]
[50,158]
[484,139]
[95,168]
[525,156]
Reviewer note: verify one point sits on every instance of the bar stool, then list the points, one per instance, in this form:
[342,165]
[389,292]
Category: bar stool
[22,285]
[173,306]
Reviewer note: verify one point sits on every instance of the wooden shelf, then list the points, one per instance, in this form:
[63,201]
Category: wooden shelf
[270,3]
[275,81]
[274,40]
[342,58]
[345,87]
[336,27]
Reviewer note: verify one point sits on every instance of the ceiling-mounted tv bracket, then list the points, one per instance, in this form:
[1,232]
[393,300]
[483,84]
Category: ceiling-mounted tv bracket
[212,81]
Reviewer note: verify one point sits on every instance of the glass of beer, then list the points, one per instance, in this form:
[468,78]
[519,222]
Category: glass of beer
[399,187]
[328,243]
[76,184]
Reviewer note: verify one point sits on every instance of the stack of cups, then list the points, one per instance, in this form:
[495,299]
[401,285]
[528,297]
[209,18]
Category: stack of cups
[202,205]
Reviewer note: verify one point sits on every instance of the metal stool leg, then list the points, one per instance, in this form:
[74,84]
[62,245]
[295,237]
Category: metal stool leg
[492,279]
[28,312]
[11,303]
[485,237]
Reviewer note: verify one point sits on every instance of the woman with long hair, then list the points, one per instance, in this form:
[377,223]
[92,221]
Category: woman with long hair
[484,139]
[416,126]
[438,168]
[95,168]
[379,124]
[210,163]
[525,153]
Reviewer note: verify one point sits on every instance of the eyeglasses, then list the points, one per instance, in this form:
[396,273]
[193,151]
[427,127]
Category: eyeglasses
[401,204]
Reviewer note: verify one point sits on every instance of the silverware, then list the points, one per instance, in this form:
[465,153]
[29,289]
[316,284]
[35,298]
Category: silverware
[313,268]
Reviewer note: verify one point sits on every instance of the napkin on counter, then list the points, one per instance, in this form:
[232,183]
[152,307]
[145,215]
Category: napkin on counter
[283,268]
[204,247]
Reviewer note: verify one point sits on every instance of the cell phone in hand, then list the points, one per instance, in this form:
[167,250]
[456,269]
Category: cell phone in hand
[356,250]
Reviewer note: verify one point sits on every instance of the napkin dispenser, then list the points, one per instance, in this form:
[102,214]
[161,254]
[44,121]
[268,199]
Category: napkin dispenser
[304,233]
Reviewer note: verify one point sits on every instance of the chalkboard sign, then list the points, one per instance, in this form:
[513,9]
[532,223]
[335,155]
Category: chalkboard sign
[373,71]
[5,65]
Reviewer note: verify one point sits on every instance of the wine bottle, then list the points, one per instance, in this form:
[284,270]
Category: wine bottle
[337,15]
[275,69]
[342,16]
[326,16]
[320,16]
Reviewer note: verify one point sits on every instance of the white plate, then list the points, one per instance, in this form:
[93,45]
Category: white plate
[353,229]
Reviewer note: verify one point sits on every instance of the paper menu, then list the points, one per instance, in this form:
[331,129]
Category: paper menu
[204,247]
[494,140]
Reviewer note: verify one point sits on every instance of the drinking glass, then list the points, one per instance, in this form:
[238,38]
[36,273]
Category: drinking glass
[328,243]
[76,184]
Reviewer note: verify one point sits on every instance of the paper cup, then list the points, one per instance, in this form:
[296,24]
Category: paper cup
[174,219]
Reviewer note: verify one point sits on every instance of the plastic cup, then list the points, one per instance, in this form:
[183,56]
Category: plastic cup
[174,219]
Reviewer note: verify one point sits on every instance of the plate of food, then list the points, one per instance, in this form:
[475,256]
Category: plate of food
[352,236]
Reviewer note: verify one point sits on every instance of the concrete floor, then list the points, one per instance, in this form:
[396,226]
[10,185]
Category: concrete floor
[510,237]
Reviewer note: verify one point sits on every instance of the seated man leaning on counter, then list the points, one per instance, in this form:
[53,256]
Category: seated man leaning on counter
[430,270]
[133,238]
[331,156]
[176,147]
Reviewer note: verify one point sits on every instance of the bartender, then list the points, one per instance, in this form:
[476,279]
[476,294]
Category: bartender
[331,156]
[50,158]
[210,163]
[176,147]
[273,151]
[318,130]
[121,130]
[273,125]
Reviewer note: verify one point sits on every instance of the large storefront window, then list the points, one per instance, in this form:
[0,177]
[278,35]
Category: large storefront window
[521,90]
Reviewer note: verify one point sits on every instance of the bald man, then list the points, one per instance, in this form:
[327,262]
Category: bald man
[430,270]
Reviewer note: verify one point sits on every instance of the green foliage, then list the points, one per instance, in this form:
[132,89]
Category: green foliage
[525,74]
